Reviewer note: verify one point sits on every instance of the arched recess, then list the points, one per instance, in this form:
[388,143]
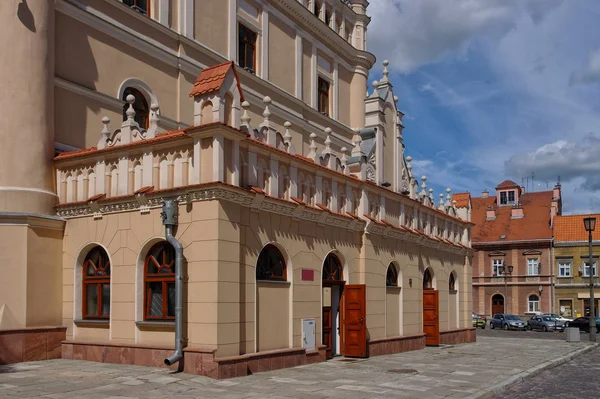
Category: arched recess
[393,301]
[497,304]
[207,112]
[273,303]
[145,97]
[429,282]
[86,253]
[334,276]
[453,301]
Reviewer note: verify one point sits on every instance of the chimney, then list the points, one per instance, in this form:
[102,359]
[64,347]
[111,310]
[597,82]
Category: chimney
[557,191]
[491,213]
[485,193]
[516,212]
[522,189]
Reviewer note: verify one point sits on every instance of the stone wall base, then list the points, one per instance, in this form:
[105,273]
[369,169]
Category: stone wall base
[195,360]
[388,346]
[30,344]
[459,336]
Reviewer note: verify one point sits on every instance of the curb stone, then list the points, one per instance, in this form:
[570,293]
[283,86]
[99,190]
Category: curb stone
[532,371]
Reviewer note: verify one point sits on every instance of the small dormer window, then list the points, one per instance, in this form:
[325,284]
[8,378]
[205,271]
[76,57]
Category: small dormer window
[507,197]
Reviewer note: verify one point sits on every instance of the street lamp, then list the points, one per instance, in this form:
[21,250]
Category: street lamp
[590,225]
[505,270]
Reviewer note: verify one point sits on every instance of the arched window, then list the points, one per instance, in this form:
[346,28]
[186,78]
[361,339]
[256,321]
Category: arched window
[427,280]
[332,268]
[533,303]
[271,265]
[391,278]
[159,280]
[452,283]
[140,106]
[96,285]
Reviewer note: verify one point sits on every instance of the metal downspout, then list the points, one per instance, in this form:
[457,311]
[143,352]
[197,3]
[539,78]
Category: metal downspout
[169,217]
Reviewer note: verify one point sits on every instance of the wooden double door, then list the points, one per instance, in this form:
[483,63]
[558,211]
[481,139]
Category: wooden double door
[497,304]
[344,318]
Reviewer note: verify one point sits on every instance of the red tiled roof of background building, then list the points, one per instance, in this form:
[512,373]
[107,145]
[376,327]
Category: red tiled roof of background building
[211,79]
[462,199]
[571,228]
[507,184]
[534,225]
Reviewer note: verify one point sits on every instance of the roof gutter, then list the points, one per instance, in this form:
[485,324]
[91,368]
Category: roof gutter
[511,241]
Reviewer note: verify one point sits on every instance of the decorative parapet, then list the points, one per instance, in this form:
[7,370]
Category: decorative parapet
[133,169]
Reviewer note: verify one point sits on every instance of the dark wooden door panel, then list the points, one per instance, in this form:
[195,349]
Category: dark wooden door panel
[431,320]
[327,338]
[355,321]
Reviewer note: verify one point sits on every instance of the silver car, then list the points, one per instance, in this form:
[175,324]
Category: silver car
[545,323]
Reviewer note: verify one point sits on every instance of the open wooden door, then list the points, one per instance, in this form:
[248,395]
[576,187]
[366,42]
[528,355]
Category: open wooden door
[431,320]
[327,331]
[355,321]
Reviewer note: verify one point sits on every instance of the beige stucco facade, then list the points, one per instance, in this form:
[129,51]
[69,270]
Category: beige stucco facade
[251,161]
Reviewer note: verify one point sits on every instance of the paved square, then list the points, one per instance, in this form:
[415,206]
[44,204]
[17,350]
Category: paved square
[460,371]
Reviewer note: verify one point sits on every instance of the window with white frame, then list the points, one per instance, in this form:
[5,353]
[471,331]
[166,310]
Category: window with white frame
[533,303]
[564,268]
[532,266]
[496,269]
[586,269]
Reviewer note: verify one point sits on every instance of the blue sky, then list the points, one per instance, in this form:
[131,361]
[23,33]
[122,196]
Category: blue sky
[495,90]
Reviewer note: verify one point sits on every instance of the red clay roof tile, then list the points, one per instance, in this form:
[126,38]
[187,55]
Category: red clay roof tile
[507,184]
[534,225]
[211,79]
[570,228]
[462,199]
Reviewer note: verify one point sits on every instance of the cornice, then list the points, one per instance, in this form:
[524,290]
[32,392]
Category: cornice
[32,220]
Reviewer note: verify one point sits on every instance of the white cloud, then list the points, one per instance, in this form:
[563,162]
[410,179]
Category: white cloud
[570,160]
[425,31]
[591,72]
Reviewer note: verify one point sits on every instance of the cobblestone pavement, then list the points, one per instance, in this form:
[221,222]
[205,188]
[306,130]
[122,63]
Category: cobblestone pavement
[577,378]
[444,372]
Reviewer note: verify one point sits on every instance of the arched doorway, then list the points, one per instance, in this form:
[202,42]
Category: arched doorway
[431,320]
[497,304]
[333,287]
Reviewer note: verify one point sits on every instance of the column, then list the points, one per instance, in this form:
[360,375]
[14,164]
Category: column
[218,158]
[28,116]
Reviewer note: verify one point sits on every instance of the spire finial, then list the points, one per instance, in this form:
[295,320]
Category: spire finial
[267,112]
[375,86]
[327,149]
[287,137]
[441,195]
[154,119]
[104,134]
[312,154]
[356,150]
[431,195]
[344,160]
[423,192]
[130,111]
[245,116]
[386,72]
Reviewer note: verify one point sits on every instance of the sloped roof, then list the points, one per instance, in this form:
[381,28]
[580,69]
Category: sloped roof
[570,228]
[462,199]
[507,184]
[211,79]
[534,225]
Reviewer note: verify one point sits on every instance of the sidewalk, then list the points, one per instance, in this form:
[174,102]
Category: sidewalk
[462,371]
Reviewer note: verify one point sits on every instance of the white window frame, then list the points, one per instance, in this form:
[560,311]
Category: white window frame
[495,267]
[532,266]
[565,268]
[586,269]
[533,306]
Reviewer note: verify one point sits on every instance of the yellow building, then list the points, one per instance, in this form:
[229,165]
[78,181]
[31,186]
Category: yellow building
[293,228]
[572,268]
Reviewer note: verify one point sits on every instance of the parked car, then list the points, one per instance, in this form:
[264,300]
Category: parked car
[545,323]
[507,322]
[583,323]
[558,317]
[479,321]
